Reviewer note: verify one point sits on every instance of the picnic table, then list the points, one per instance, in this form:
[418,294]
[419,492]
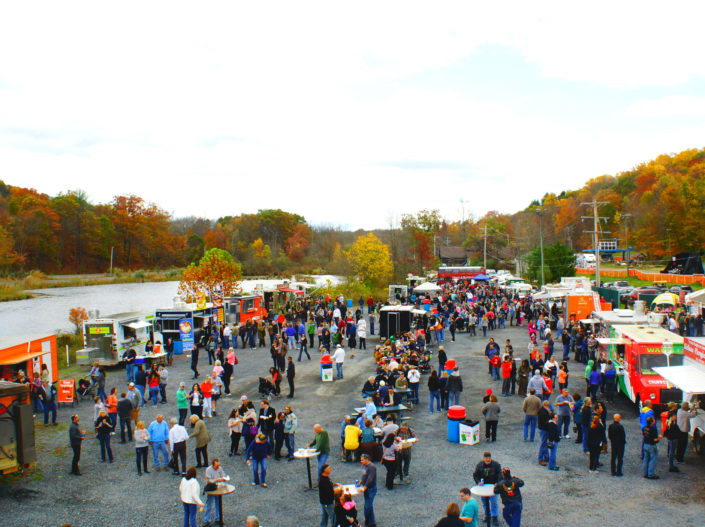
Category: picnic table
[383,410]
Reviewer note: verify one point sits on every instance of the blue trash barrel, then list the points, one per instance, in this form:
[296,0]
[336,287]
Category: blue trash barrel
[456,414]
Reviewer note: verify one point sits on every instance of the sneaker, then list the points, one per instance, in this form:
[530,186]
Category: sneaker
[554,468]
[543,463]
[674,469]
[566,436]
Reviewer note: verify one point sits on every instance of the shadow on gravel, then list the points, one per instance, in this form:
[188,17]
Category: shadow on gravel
[17,493]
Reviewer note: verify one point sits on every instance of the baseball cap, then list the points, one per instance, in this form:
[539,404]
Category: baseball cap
[244,397]
[132,384]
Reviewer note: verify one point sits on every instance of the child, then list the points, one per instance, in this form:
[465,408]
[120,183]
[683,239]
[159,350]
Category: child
[350,510]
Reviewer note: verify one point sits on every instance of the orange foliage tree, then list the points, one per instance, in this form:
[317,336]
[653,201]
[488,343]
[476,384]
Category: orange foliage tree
[216,273]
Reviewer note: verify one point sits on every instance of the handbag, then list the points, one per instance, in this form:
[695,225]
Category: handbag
[550,444]
[209,487]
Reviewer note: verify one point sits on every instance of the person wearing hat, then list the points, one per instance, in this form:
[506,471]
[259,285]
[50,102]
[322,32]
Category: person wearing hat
[135,397]
[182,402]
[508,489]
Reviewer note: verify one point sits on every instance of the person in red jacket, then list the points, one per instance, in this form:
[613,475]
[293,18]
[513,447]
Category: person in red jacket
[496,363]
[549,384]
[506,374]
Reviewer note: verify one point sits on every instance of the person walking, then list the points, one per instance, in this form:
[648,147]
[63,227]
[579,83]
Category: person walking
[434,391]
[196,401]
[390,452]
[488,471]
[291,423]
[531,407]
[508,490]
[158,437]
[103,428]
[234,431]
[651,439]
[200,433]
[76,436]
[618,440]
[414,377]
[259,451]
[190,491]
[142,449]
[368,484]
[491,412]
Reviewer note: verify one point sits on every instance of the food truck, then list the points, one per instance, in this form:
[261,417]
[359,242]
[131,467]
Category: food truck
[579,304]
[184,323]
[395,320]
[28,353]
[105,339]
[240,309]
[397,292]
[17,447]
[636,350]
[690,379]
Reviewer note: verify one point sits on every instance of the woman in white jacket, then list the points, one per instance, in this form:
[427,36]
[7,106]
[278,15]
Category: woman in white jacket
[362,333]
[190,491]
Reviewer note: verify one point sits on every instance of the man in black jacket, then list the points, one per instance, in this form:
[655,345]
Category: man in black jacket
[267,414]
[124,409]
[618,439]
[489,472]
[508,489]
[76,436]
[140,381]
[290,375]
[543,417]
[325,496]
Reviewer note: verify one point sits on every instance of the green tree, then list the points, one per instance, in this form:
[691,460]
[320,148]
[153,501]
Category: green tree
[558,259]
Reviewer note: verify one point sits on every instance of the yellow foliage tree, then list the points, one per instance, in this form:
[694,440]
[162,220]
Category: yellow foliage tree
[370,260]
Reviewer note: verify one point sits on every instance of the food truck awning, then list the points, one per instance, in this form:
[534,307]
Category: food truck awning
[590,321]
[138,325]
[16,357]
[690,379]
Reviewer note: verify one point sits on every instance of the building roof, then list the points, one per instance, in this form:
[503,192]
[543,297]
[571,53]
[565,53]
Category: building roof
[453,252]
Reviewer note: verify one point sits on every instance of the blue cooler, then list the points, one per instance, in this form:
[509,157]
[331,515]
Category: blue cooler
[139,360]
[456,414]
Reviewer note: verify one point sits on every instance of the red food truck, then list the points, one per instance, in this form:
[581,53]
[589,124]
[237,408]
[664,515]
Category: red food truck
[240,309]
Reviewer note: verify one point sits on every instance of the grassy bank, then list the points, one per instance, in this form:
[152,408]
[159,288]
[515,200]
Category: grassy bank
[636,282]
[17,288]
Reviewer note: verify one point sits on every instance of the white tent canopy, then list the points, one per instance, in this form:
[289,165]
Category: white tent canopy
[688,378]
[427,287]
[697,296]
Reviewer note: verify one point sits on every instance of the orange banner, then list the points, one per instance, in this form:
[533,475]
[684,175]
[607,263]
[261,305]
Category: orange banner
[66,389]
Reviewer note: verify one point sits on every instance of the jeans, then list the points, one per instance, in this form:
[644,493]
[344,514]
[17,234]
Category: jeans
[512,514]
[162,392]
[566,351]
[140,388]
[211,504]
[495,373]
[484,331]
[672,445]
[322,460]
[530,422]
[491,430]
[303,349]
[327,515]
[160,446]
[404,462]
[190,510]
[141,455]
[454,398]
[543,448]
[616,459]
[552,455]
[565,421]
[154,394]
[585,434]
[491,505]
[130,371]
[292,342]
[183,412]
[434,394]
[650,458]
[49,407]
[104,438]
[414,387]
[370,494]
[290,444]
[339,369]
[259,467]
[506,385]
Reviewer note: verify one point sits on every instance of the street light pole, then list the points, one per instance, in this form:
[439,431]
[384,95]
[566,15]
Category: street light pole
[539,211]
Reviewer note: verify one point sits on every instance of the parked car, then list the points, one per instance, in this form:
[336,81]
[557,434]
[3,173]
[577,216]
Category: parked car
[678,288]
[646,290]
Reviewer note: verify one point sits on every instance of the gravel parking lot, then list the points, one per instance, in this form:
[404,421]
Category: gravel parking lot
[113,495]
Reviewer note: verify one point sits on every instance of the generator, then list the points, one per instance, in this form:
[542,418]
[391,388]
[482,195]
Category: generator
[17,447]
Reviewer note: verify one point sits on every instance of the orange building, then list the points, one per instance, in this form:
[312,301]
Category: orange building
[28,353]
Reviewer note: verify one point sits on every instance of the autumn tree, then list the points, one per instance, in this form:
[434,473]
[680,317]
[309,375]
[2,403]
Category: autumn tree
[370,260]
[216,273]
[422,228]
[77,316]
[297,244]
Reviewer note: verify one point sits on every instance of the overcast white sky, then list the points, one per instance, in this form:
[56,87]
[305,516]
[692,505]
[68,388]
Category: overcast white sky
[348,114]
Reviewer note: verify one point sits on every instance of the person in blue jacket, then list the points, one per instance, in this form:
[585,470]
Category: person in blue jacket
[259,451]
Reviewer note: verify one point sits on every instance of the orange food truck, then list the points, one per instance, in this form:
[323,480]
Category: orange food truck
[28,353]
[580,305]
[240,309]
[636,351]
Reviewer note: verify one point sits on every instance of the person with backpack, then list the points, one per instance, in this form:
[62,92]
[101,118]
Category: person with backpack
[47,395]
[508,490]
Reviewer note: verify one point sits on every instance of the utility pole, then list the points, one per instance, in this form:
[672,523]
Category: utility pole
[595,235]
[484,250]
[626,238]
[111,261]
[539,211]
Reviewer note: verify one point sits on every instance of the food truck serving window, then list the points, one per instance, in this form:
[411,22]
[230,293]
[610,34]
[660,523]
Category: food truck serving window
[248,305]
[655,360]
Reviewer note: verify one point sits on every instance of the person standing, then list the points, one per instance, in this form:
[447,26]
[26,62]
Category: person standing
[163,380]
[129,357]
[265,421]
[618,440]
[290,376]
[506,367]
[177,444]
[470,510]
[158,436]
[542,418]
[182,403]
[434,391]
[531,407]
[508,489]
[322,446]
[489,471]
[596,436]
[47,395]
[553,437]
[454,386]
[672,433]
[414,377]
[362,333]
[368,483]
[339,358]
[325,496]
[651,439]
[124,408]
[491,412]
[103,428]
[564,402]
[135,398]
[142,448]
[140,381]
[405,433]
[189,489]
[290,424]
[259,451]
[685,413]
[200,433]
[214,475]
[76,436]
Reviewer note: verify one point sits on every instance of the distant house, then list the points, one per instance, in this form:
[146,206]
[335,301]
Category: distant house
[453,256]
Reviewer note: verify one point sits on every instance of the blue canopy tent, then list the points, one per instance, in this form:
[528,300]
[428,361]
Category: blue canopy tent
[480,277]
